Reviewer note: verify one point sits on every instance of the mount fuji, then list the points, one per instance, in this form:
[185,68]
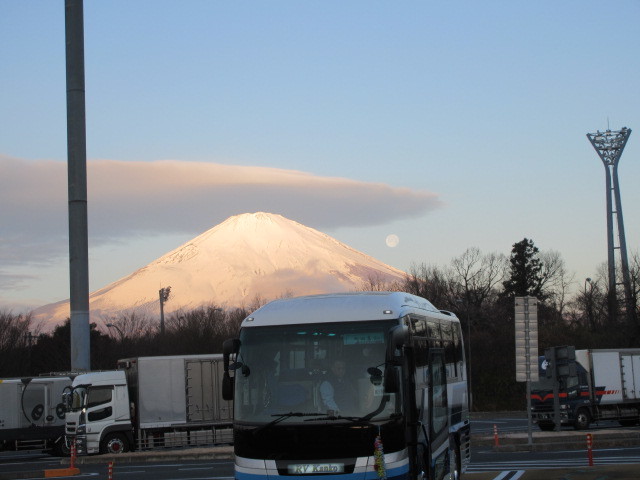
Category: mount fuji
[246,257]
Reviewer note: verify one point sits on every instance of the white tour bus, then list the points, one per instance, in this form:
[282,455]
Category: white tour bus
[360,386]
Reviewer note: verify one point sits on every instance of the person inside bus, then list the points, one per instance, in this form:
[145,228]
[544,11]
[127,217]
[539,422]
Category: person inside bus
[338,394]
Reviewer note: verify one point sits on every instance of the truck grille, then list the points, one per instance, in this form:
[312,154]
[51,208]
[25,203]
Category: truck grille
[543,408]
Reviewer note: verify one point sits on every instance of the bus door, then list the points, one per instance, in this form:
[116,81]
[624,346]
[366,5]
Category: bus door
[438,415]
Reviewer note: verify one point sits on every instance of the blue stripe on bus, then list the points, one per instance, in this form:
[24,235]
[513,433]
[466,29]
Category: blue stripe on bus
[399,473]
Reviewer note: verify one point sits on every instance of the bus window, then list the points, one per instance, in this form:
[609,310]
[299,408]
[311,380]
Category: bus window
[435,337]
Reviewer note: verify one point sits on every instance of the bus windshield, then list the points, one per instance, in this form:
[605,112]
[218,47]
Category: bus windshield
[313,373]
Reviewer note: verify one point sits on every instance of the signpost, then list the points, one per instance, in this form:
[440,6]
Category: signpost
[562,364]
[526,327]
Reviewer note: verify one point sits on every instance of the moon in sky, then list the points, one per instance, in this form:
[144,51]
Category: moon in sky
[392,240]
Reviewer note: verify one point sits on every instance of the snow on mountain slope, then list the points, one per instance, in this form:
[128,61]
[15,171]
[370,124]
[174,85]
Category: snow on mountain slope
[246,256]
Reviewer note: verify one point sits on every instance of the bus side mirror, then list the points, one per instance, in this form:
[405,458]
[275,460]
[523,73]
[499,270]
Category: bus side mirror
[230,347]
[227,386]
[391,380]
[397,338]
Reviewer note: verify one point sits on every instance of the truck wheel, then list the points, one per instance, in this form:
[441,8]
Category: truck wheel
[583,419]
[60,448]
[114,443]
[546,427]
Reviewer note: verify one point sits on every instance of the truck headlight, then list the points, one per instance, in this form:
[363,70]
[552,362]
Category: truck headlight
[81,429]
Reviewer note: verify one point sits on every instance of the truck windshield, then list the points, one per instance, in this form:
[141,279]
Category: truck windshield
[311,373]
[545,383]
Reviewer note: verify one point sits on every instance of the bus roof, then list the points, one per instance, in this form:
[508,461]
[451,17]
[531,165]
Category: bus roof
[341,307]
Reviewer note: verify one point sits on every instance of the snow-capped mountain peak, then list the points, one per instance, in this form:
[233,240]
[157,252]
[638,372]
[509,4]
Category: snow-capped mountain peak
[247,256]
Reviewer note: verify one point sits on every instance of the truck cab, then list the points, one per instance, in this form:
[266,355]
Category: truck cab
[573,398]
[99,414]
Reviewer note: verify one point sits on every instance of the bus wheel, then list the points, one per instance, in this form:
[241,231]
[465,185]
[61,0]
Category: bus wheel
[583,419]
[114,443]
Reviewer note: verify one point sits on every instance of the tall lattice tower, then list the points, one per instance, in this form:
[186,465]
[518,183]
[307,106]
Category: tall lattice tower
[609,146]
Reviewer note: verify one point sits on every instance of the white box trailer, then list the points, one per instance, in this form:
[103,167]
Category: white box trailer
[32,412]
[150,401]
[614,375]
[174,390]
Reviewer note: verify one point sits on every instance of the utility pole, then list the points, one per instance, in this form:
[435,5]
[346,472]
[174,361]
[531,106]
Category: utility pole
[609,146]
[77,185]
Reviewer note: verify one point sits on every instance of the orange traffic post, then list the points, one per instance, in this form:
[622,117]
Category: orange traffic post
[72,461]
[110,471]
[496,441]
[590,449]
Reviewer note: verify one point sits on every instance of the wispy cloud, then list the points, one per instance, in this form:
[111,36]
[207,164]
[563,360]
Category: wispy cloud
[170,196]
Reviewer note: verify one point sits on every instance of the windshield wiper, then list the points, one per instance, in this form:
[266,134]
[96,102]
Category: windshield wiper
[281,417]
[364,419]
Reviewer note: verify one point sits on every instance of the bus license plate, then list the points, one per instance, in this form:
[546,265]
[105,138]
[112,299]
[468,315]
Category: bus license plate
[315,468]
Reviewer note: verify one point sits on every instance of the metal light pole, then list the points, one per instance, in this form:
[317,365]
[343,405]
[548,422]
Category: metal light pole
[469,359]
[609,146]
[77,186]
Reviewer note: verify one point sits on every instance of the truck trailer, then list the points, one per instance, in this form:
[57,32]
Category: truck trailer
[32,413]
[586,387]
[148,402]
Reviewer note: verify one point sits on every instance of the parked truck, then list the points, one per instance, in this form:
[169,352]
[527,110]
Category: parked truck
[32,414]
[586,386]
[149,401]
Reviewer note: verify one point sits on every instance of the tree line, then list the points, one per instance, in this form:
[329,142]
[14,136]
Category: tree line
[479,288]
[129,335]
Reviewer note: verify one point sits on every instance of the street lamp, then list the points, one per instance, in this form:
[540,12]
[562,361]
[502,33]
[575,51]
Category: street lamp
[112,325]
[589,302]
[468,342]
[609,146]
[469,359]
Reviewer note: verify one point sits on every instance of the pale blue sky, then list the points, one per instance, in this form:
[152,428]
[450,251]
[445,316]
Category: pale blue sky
[484,104]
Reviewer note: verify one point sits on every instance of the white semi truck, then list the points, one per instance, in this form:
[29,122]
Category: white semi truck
[148,401]
[32,414]
[585,386]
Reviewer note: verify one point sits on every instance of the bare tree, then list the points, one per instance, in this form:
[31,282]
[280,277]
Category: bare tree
[555,280]
[130,325]
[376,283]
[433,283]
[16,340]
[478,275]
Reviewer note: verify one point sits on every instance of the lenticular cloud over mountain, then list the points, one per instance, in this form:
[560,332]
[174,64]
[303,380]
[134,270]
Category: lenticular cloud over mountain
[248,256]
